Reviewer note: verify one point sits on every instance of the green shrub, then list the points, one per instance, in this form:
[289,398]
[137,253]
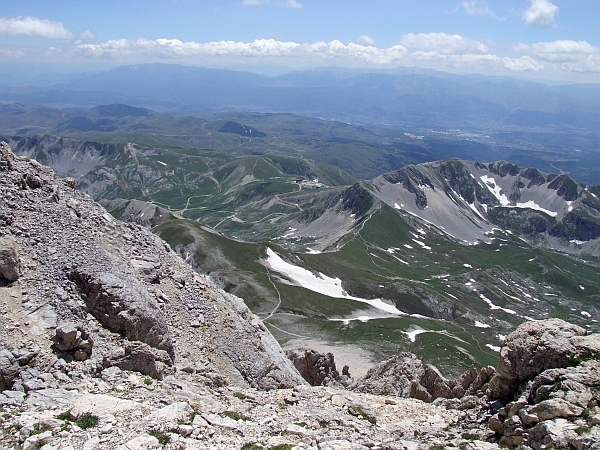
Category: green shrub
[163,438]
[583,430]
[86,421]
[65,416]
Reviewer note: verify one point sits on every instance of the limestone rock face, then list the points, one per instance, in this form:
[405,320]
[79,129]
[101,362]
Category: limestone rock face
[318,369]
[555,369]
[10,267]
[535,347]
[122,305]
[404,375]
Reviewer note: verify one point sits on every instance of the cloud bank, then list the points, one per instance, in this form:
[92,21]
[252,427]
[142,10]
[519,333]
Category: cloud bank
[436,50]
[32,26]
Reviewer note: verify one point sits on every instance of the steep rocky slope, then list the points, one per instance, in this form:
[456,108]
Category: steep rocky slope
[123,288]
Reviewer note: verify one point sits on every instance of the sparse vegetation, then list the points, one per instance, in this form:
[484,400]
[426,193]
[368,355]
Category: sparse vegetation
[282,447]
[242,396]
[163,438]
[583,430]
[362,413]
[235,415]
[66,415]
[39,429]
[470,436]
[86,421]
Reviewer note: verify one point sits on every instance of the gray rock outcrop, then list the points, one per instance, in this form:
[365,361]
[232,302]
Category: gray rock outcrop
[404,375]
[318,369]
[10,266]
[536,346]
[552,369]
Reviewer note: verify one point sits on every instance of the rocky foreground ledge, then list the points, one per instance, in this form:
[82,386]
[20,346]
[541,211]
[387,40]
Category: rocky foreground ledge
[108,340]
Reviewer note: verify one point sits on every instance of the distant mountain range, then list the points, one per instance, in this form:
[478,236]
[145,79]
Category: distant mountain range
[364,151]
[434,99]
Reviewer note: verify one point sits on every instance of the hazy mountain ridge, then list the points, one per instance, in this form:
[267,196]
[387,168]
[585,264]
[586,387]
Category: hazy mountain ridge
[365,151]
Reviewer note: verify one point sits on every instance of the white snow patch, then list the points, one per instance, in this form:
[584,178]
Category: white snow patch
[322,284]
[450,295]
[570,206]
[310,251]
[160,162]
[533,205]
[475,210]
[479,324]
[493,347]
[408,246]
[492,306]
[469,266]
[582,287]
[587,314]
[493,186]
[397,206]
[412,335]
[576,242]
[391,250]
[422,244]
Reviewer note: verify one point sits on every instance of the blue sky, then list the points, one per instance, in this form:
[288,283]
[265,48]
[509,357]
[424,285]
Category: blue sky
[544,39]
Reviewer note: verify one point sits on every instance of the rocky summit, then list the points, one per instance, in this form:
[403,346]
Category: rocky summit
[109,340]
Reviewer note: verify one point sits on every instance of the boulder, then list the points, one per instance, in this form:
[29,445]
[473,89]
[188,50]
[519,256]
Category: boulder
[9,369]
[71,338]
[535,347]
[318,369]
[10,266]
[141,358]
[392,377]
[123,306]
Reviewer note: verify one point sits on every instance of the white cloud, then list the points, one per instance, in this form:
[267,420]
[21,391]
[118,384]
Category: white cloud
[478,8]
[559,51]
[366,39]
[558,59]
[87,35]
[32,26]
[540,12]
[174,48]
[443,43]
[294,4]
